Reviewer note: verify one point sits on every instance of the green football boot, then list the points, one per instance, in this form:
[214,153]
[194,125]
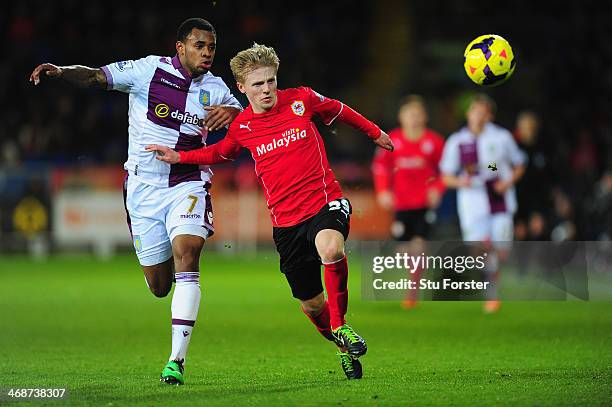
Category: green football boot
[347,338]
[173,373]
[350,365]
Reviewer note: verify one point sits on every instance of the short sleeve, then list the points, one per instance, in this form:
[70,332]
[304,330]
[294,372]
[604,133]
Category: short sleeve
[230,100]
[449,163]
[327,109]
[125,76]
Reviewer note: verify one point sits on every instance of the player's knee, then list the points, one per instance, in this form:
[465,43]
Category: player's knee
[159,288]
[187,259]
[332,253]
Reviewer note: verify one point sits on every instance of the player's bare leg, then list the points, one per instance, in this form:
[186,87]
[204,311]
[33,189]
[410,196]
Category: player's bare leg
[159,277]
[186,251]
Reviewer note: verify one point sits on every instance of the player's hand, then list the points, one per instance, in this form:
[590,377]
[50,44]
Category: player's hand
[501,186]
[384,141]
[385,200]
[49,70]
[165,154]
[219,116]
[433,198]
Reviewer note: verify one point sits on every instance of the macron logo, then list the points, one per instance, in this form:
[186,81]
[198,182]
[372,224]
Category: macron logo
[287,137]
[245,126]
[167,82]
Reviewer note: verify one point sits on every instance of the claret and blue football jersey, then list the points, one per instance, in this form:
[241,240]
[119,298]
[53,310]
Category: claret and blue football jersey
[166,106]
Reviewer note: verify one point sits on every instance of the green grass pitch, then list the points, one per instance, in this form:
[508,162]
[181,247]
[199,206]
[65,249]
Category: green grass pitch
[92,327]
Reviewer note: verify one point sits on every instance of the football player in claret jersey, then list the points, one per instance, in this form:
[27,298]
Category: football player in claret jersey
[176,101]
[483,162]
[407,181]
[308,211]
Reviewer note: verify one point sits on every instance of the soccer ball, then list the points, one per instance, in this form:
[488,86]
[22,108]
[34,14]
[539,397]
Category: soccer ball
[489,60]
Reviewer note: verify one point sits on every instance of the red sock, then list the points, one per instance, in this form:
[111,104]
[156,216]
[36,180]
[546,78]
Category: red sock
[336,277]
[321,321]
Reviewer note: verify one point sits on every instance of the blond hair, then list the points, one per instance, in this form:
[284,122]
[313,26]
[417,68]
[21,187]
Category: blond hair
[247,60]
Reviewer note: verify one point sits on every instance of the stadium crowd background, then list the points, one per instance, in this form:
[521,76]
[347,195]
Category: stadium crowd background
[367,54]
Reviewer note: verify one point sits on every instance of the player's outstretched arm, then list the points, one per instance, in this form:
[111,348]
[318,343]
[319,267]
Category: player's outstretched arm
[220,152]
[357,121]
[165,154]
[78,75]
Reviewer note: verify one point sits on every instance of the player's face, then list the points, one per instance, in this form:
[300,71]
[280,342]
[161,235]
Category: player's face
[260,88]
[527,128]
[412,115]
[478,115]
[197,52]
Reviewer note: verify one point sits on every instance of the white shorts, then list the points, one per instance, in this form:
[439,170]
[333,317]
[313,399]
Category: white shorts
[497,228]
[157,215]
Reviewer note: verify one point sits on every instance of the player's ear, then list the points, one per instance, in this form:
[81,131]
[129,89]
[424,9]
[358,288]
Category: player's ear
[180,48]
[241,87]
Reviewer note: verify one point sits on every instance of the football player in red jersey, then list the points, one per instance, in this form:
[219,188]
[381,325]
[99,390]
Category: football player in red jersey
[408,181]
[309,213]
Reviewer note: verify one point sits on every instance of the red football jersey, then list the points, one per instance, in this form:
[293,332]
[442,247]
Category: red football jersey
[290,159]
[411,170]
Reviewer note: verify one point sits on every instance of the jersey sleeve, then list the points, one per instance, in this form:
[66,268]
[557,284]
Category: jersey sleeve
[449,163]
[225,150]
[330,109]
[125,76]
[230,100]
[327,109]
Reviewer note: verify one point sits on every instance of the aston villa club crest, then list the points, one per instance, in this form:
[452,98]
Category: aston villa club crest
[137,243]
[298,107]
[204,97]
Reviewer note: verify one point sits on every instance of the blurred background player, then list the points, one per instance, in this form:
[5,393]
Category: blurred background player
[533,192]
[310,215]
[483,162]
[407,181]
[174,100]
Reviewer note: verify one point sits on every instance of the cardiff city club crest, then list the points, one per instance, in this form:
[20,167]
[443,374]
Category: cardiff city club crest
[298,107]
[204,97]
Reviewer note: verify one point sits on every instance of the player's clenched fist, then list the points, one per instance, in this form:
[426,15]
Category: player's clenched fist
[50,70]
[165,154]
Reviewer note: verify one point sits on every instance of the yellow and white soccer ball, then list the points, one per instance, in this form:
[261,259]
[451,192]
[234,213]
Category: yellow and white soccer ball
[489,60]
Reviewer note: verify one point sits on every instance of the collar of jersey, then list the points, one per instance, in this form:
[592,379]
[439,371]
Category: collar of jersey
[176,63]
